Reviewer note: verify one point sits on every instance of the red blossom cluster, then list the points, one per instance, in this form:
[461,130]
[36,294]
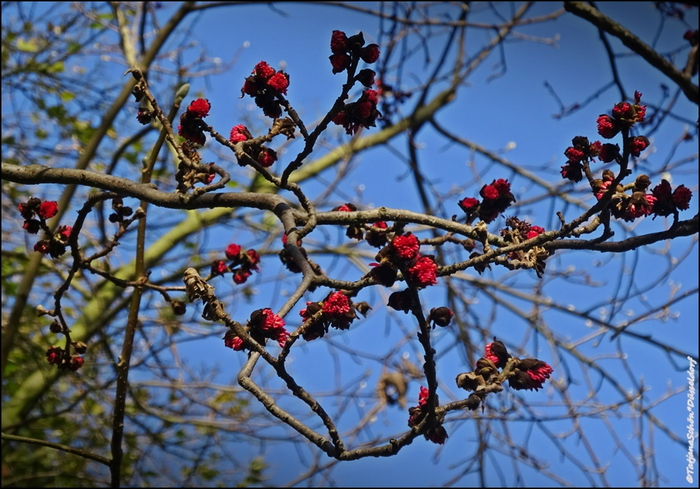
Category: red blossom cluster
[524,229]
[191,124]
[522,374]
[263,155]
[622,205]
[56,355]
[437,434]
[265,85]
[54,244]
[496,198]
[668,202]
[242,262]
[347,50]
[362,113]
[403,253]
[581,151]
[336,310]
[624,116]
[662,201]
[263,324]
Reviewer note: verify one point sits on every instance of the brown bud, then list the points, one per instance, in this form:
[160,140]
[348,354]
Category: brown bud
[442,316]
[179,307]
[362,307]
[56,327]
[469,381]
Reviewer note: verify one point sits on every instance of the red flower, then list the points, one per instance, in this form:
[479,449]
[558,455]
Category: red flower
[530,374]
[63,233]
[253,259]
[199,108]
[232,341]
[282,336]
[370,53]
[268,324]
[489,192]
[497,352]
[218,268]
[662,191]
[681,197]
[346,208]
[75,363]
[534,231]
[380,225]
[339,42]
[638,144]
[54,355]
[337,304]
[641,109]
[574,155]
[424,272]
[640,209]
[271,321]
[241,275]
[267,157]
[641,112]
[238,134]
[42,246]
[340,119]
[423,396]
[279,81]
[339,62]
[607,126]
[623,111]
[367,104]
[263,70]
[48,209]
[406,247]
[469,204]
[538,371]
[232,251]
[249,88]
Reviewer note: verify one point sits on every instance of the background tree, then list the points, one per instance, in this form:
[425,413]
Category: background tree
[448,142]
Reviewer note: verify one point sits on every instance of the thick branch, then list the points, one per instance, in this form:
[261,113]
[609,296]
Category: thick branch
[604,22]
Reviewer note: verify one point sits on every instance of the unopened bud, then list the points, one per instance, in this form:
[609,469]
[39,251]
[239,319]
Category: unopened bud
[41,311]
[56,327]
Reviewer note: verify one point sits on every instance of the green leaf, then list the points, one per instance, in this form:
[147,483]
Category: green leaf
[29,46]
